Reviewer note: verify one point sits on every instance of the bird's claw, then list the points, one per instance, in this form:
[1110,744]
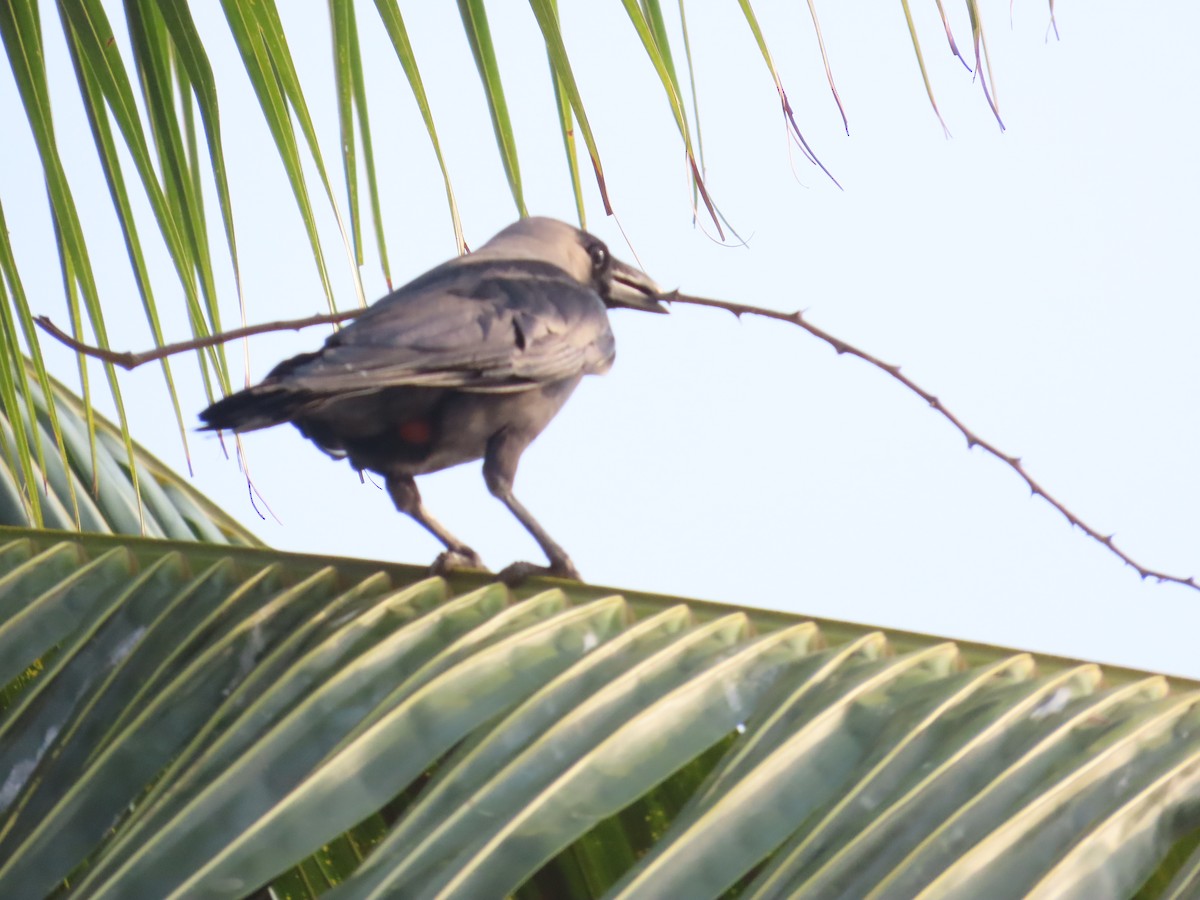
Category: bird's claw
[514,574]
[458,560]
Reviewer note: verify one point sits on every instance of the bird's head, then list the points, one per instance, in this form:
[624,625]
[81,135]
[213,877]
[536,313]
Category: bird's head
[581,255]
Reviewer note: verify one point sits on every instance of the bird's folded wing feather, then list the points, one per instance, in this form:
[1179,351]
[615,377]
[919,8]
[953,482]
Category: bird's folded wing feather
[453,328]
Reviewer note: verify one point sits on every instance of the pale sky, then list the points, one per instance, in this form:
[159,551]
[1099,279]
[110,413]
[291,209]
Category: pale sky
[1041,282]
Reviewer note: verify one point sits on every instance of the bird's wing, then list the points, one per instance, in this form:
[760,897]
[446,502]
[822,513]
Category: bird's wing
[486,327]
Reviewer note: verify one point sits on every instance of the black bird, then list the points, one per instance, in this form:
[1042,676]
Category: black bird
[469,361]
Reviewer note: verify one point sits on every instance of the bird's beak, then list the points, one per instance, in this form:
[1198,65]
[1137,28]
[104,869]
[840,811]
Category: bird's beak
[633,288]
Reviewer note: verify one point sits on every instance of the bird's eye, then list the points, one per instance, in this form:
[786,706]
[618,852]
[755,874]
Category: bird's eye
[599,254]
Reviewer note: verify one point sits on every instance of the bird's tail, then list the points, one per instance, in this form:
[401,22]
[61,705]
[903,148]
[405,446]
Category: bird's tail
[257,407]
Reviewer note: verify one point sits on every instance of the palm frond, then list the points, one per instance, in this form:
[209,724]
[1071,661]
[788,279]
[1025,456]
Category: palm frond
[203,720]
[89,486]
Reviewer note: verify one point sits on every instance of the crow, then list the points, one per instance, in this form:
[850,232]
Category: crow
[469,361]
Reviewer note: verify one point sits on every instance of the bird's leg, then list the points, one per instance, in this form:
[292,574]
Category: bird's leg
[499,470]
[408,500]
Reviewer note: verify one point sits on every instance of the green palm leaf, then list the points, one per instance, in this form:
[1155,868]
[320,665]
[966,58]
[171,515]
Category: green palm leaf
[199,720]
[65,475]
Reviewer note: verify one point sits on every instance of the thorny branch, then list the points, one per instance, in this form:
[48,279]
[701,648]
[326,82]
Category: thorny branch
[133,360]
[130,360]
[973,440]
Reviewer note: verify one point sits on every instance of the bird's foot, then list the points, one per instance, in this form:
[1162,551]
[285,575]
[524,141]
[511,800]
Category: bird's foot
[464,558]
[514,574]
